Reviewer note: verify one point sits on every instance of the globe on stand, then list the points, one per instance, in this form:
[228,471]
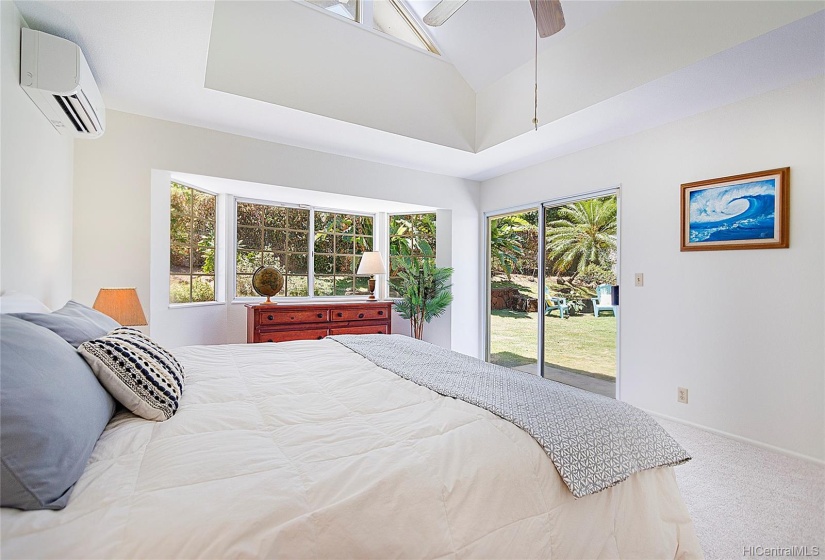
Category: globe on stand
[267,281]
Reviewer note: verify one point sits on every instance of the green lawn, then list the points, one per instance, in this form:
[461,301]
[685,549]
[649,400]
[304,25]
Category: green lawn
[581,343]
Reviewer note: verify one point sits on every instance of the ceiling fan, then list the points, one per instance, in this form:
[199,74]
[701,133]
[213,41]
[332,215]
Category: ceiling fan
[548,14]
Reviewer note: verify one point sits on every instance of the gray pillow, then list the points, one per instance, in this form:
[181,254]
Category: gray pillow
[75,322]
[52,412]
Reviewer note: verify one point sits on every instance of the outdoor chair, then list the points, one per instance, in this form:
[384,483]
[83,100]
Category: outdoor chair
[603,300]
[553,302]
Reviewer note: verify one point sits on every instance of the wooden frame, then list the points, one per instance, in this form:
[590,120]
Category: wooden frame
[749,211]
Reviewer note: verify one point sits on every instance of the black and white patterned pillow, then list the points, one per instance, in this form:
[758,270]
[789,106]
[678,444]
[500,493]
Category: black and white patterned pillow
[140,374]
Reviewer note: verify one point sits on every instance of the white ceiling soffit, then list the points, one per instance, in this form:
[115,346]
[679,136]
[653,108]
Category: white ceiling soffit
[150,59]
[294,55]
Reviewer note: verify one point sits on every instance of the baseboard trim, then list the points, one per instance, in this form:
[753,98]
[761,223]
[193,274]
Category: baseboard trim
[749,441]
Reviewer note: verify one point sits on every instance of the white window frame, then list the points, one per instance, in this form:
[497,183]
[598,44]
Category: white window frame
[233,223]
[218,292]
[388,256]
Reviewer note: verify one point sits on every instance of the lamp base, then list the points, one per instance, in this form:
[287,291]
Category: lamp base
[371,285]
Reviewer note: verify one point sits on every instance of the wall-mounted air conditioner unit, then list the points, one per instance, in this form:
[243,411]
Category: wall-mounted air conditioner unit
[55,74]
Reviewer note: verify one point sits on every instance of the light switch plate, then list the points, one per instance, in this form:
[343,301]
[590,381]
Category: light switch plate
[639,279]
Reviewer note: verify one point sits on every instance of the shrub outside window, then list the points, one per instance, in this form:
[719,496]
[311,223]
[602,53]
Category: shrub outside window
[412,236]
[192,221]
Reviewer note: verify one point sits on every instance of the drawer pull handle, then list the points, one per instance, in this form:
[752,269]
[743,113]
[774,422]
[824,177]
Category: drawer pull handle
[320,315]
[380,312]
[270,317]
[292,317]
[360,315]
[340,314]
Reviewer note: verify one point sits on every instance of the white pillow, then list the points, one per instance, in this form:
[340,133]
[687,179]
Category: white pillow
[18,302]
[606,299]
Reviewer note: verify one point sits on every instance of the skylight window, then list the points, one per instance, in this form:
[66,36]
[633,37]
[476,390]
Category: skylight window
[387,16]
[393,18]
[346,8]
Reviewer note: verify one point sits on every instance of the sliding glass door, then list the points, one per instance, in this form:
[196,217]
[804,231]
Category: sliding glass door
[556,316]
[513,321]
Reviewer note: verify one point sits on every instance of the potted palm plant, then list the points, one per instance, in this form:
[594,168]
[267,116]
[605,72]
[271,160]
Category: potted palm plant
[425,293]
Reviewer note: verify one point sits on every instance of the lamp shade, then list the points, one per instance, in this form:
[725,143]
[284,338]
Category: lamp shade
[371,263]
[122,305]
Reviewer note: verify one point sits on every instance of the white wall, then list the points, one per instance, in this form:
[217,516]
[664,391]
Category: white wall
[742,330]
[113,214]
[35,185]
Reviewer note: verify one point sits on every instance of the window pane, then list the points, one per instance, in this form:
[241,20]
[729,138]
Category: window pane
[362,285]
[248,261]
[249,214]
[278,260]
[274,240]
[249,238]
[179,289]
[179,214]
[297,264]
[298,218]
[274,216]
[203,288]
[324,264]
[343,265]
[179,260]
[390,18]
[243,286]
[343,244]
[324,222]
[297,286]
[324,243]
[345,8]
[324,285]
[297,242]
[343,285]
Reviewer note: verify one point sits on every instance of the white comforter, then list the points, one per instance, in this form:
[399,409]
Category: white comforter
[307,450]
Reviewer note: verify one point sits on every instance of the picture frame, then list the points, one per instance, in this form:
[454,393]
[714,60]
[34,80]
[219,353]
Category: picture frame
[749,211]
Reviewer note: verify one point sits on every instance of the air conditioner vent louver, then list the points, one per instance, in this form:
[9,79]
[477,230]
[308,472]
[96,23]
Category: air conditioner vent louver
[56,76]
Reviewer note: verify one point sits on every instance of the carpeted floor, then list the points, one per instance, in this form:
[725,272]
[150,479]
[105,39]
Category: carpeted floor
[742,496]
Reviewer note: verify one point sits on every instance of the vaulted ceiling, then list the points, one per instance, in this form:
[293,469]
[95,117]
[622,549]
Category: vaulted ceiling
[289,72]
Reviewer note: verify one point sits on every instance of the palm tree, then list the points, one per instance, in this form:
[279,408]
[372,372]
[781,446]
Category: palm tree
[583,233]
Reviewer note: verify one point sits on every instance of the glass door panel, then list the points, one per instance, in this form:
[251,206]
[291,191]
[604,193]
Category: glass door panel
[581,293]
[514,305]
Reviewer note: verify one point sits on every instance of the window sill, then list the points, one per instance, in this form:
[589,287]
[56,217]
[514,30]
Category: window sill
[194,304]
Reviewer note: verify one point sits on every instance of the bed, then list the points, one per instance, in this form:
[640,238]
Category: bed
[308,450]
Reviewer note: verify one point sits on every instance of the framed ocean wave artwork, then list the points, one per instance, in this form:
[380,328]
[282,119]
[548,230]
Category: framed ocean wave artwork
[749,211]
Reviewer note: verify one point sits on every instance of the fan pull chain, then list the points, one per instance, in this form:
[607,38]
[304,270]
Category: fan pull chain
[536,77]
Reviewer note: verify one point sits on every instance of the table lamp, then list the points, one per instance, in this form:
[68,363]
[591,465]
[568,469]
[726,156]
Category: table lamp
[372,263]
[122,305]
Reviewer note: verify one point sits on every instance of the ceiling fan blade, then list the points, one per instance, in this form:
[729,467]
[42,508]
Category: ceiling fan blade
[442,12]
[549,17]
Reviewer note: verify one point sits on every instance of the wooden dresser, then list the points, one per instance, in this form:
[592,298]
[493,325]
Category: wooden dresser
[309,321]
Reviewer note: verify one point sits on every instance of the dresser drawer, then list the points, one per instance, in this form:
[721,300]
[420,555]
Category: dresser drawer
[359,314]
[297,316]
[285,336]
[376,329]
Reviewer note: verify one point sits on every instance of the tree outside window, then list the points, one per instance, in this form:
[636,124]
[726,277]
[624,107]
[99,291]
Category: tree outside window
[412,236]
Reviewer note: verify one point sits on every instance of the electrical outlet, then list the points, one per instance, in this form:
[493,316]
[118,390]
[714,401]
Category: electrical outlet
[682,395]
[639,279]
